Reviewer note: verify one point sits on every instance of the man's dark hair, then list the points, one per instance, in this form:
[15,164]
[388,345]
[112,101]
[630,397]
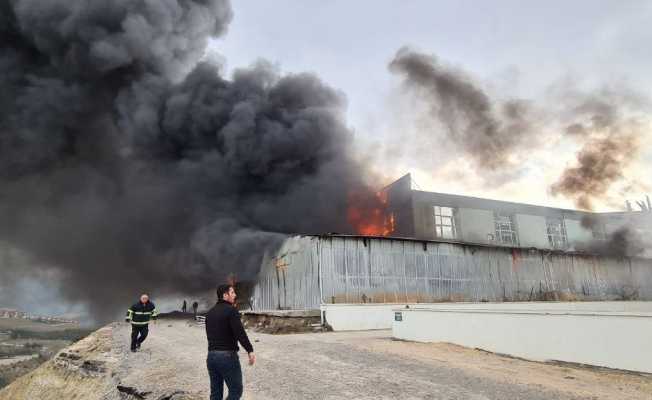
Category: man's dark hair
[221,290]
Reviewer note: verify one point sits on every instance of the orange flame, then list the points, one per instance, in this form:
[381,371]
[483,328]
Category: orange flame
[368,214]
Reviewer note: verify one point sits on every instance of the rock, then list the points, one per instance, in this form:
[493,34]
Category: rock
[133,392]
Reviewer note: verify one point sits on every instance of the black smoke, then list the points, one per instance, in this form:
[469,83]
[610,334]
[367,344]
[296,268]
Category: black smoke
[610,141]
[625,241]
[487,131]
[127,165]
[497,134]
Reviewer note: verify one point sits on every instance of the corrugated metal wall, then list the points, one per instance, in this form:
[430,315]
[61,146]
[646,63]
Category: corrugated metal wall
[310,270]
[290,280]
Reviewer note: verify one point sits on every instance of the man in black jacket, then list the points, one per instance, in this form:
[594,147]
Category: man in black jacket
[139,315]
[223,330]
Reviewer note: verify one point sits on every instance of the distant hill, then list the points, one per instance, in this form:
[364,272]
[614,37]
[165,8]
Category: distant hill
[7,313]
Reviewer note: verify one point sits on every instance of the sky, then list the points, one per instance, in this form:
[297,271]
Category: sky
[512,49]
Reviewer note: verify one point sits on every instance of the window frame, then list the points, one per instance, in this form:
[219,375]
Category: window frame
[599,231]
[557,240]
[501,233]
[442,226]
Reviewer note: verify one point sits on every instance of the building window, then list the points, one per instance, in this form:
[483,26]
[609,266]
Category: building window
[556,233]
[505,229]
[598,231]
[444,222]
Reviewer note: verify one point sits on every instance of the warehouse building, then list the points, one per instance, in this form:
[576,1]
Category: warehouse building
[309,271]
[454,248]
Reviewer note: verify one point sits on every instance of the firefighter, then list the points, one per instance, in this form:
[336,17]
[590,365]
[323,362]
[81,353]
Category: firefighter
[139,315]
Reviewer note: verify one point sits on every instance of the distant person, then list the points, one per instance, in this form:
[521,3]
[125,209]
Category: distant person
[139,315]
[195,305]
[184,307]
[223,330]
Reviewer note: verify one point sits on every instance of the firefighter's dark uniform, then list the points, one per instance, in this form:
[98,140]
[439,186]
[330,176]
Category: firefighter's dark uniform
[139,315]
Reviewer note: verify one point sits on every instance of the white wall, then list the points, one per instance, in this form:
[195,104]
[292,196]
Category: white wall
[476,224]
[359,317]
[576,233]
[610,339]
[555,306]
[532,231]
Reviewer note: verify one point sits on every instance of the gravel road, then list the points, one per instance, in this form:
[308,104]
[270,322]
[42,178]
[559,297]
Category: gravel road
[359,365]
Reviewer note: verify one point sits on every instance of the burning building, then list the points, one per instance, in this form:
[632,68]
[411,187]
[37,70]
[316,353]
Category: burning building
[439,216]
[454,248]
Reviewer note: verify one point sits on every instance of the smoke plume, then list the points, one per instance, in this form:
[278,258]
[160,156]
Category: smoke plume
[487,131]
[610,142]
[624,241]
[126,165]
[497,135]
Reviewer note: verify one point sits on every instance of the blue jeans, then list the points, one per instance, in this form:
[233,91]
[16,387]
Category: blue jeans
[224,367]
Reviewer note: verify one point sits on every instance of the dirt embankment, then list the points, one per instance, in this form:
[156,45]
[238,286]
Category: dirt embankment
[93,369]
[77,372]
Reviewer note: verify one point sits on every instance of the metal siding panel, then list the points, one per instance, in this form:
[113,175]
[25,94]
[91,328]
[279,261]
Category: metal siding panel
[356,270]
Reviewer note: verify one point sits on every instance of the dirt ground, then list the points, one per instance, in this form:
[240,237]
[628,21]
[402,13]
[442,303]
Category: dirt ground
[360,365]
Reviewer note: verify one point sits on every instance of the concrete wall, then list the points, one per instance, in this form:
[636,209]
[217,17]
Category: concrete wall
[555,306]
[530,235]
[424,220]
[475,225]
[399,203]
[532,231]
[359,317]
[576,233]
[603,338]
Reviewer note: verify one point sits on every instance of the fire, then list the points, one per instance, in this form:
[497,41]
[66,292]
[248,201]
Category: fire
[368,214]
